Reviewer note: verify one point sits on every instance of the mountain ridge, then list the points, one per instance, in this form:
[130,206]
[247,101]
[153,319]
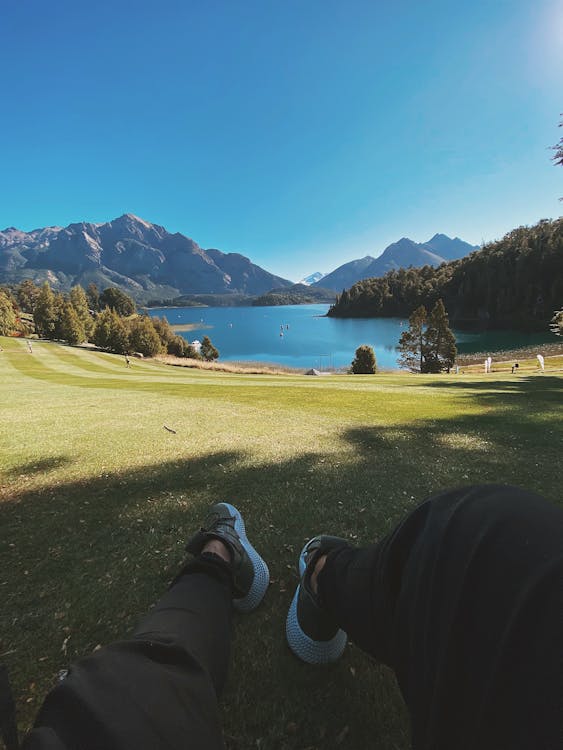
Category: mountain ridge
[142,258]
[400,254]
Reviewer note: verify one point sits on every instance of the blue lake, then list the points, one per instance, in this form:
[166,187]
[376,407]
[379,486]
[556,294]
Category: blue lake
[312,340]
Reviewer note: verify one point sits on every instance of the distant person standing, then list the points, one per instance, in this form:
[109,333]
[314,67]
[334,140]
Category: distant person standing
[541,362]
[127,361]
[515,366]
[29,347]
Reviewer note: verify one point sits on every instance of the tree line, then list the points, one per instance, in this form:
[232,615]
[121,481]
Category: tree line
[516,282]
[108,319]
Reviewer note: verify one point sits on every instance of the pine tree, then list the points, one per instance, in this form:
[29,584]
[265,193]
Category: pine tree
[72,329]
[44,313]
[93,295]
[364,361]
[79,301]
[102,329]
[7,315]
[412,341]
[27,294]
[118,334]
[208,351]
[440,348]
[58,306]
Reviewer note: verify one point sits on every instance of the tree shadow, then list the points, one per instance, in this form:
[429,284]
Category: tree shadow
[82,561]
[39,466]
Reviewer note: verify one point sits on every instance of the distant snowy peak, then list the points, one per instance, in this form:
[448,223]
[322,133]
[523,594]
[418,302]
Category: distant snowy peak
[312,278]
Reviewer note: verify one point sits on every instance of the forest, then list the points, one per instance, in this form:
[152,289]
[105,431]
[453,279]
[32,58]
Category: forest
[515,282]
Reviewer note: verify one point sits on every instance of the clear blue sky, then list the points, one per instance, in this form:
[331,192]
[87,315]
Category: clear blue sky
[302,133]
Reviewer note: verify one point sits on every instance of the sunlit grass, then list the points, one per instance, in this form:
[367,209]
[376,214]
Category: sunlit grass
[98,500]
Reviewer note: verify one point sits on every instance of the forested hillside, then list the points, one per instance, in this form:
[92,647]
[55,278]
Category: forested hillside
[516,282]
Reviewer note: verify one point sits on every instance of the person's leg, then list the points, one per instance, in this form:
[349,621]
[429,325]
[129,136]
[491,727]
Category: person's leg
[464,600]
[159,688]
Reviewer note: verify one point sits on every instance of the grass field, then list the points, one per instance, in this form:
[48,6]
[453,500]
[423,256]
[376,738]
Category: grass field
[98,500]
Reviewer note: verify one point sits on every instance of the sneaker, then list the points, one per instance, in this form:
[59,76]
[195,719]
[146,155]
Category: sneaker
[312,634]
[251,576]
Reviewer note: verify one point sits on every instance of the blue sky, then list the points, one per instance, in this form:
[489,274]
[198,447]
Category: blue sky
[302,133]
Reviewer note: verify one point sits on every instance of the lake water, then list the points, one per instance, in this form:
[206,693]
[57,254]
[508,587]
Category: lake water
[310,339]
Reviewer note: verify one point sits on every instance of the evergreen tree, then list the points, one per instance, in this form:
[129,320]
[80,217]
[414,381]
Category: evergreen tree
[412,341]
[44,313]
[72,329]
[93,295]
[440,348]
[110,332]
[26,295]
[117,300]
[59,306]
[364,361]
[164,330]
[79,301]
[118,335]
[208,351]
[102,329]
[7,315]
[143,337]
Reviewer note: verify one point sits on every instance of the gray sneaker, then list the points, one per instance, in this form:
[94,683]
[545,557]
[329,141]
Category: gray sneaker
[311,632]
[251,576]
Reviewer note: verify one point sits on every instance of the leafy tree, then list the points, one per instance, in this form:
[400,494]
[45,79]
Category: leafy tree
[208,351]
[143,337]
[79,301]
[178,346]
[26,295]
[45,314]
[8,320]
[117,300]
[412,341]
[164,330]
[72,329]
[364,361]
[93,295]
[110,332]
[440,348]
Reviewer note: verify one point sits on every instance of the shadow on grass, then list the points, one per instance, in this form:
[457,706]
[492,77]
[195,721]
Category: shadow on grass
[82,561]
[40,466]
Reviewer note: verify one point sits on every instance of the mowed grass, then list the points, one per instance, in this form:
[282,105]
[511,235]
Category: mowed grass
[98,500]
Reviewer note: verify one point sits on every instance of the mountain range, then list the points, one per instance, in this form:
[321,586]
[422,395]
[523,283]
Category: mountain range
[401,254]
[144,259]
[148,262]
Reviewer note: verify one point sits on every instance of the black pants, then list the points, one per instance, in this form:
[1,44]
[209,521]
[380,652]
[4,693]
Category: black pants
[464,600]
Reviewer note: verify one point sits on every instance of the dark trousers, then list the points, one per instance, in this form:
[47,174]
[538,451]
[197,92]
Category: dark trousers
[464,600]
[159,689]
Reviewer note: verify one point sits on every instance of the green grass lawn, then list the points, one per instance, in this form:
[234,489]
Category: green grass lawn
[98,500]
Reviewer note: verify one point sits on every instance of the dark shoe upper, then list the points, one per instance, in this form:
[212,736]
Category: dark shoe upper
[313,619]
[220,523]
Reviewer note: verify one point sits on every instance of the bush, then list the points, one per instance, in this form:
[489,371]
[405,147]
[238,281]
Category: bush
[364,361]
[177,346]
